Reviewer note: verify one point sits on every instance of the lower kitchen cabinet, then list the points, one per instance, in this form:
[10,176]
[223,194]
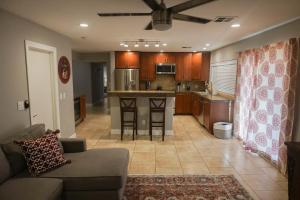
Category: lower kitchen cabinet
[183,103]
[216,111]
[207,110]
[195,105]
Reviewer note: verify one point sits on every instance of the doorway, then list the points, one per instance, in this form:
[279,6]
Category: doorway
[90,80]
[42,84]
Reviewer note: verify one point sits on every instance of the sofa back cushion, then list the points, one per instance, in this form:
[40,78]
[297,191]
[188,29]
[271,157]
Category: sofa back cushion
[14,153]
[4,167]
[42,154]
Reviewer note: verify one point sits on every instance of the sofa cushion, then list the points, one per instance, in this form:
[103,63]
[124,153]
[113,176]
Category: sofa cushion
[4,167]
[31,189]
[95,169]
[13,151]
[42,154]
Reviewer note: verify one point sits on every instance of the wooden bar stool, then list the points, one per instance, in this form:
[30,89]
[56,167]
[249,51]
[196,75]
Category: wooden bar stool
[157,105]
[128,105]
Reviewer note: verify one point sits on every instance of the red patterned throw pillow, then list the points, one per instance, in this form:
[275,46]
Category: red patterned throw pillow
[42,154]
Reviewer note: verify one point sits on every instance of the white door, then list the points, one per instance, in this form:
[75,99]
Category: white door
[41,85]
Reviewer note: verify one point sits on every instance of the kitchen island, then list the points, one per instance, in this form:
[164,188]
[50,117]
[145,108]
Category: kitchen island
[142,97]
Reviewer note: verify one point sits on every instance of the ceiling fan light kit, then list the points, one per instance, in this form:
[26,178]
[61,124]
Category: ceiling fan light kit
[162,16]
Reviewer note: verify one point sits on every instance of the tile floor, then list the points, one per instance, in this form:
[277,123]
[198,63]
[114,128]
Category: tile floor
[192,151]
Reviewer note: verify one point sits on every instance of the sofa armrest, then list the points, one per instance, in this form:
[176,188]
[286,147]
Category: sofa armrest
[73,145]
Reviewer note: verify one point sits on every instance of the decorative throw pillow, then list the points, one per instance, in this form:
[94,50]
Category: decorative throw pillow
[42,154]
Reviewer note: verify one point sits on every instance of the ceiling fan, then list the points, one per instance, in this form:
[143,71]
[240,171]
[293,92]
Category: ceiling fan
[162,16]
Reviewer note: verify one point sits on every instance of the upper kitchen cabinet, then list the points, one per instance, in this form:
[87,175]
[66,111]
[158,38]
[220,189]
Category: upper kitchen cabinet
[165,58]
[183,66]
[125,59]
[201,66]
[147,68]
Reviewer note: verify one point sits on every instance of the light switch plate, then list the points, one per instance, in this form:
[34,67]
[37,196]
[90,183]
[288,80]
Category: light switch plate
[21,105]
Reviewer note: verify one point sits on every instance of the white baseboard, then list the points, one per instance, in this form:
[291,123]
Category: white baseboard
[140,132]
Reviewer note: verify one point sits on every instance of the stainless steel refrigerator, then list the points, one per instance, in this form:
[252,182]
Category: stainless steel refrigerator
[127,79]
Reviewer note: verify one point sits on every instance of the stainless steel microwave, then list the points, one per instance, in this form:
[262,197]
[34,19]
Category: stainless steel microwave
[166,68]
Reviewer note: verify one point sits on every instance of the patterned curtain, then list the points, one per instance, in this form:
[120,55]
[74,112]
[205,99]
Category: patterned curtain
[265,99]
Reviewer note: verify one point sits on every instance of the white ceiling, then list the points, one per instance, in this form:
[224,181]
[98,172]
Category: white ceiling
[105,34]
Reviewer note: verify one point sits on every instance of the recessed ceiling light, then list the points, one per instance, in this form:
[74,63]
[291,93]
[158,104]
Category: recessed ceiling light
[235,25]
[156,45]
[136,45]
[207,44]
[204,48]
[164,44]
[84,25]
[161,51]
[128,50]
[121,44]
[147,45]
[194,51]
[125,45]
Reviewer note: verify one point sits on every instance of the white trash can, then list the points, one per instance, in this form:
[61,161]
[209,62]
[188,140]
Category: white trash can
[223,130]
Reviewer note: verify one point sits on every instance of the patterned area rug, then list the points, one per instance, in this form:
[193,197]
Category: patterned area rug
[208,187]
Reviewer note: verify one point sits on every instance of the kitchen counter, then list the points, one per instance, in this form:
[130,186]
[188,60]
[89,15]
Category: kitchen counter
[142,101]
[141,93]
[213,97]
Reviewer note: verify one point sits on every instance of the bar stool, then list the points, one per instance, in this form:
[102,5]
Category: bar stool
[157,105]
[128,105]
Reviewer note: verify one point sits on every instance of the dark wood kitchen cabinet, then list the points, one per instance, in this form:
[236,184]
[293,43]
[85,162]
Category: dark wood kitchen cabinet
[216,111]
[183,66]
[201,66]
[195,105]
[205,66]
[127,59]
[183,103]
[165,58]
[147,68]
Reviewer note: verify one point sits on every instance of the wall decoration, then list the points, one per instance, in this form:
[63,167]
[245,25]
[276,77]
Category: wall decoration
[64,69]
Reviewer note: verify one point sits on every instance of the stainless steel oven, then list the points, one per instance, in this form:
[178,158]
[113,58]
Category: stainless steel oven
[166,68]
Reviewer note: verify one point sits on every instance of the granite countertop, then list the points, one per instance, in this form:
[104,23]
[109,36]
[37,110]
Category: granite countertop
[213,97]
[142,93]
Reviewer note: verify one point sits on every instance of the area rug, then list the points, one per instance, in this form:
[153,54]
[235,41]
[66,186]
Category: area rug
[207,187]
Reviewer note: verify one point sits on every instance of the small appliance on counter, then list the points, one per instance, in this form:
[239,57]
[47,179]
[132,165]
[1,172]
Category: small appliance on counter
[147,85]
[178,87]
[127,79]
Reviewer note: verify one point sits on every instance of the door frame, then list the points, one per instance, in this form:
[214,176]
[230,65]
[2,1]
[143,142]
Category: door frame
[30,45]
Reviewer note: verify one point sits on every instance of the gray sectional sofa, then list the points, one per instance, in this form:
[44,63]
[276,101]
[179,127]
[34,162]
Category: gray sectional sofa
[92,174]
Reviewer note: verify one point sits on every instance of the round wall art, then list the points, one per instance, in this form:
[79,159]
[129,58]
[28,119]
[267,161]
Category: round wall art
[64,69]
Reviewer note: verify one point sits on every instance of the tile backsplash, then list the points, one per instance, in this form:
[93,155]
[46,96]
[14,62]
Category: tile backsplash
[168,82]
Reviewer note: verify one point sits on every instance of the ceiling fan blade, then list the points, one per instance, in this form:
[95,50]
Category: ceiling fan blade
[149,26]
[188,5]
[122,14]
[190,18]
[152,4]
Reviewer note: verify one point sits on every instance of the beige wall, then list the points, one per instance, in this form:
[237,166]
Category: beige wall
[13,79]
[281,33]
